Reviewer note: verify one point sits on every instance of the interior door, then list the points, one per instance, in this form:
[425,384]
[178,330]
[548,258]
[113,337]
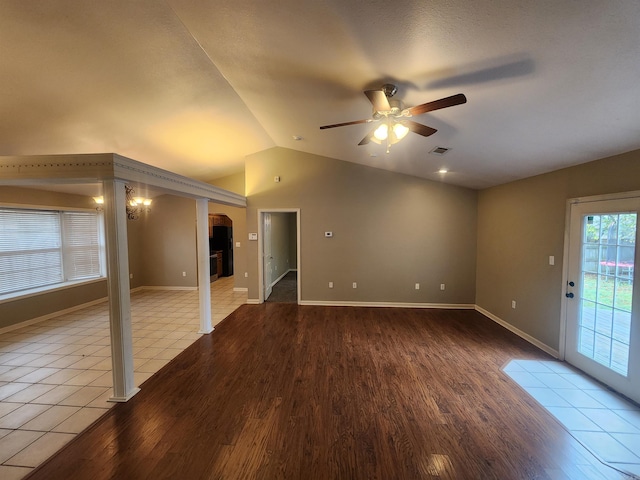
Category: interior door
[603,329]
[267,254]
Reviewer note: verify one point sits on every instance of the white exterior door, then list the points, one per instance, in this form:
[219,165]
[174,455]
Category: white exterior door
[603,303]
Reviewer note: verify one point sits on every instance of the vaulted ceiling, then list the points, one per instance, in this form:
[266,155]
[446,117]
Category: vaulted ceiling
[193,86]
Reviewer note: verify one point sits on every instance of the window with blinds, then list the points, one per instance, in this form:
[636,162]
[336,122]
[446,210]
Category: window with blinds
[40,248]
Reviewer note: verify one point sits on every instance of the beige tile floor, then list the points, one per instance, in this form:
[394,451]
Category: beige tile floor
[605,423]
[55,376]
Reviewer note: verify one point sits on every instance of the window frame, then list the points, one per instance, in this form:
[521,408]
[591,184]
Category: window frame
[65,283]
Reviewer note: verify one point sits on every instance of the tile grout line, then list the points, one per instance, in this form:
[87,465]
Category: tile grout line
[34,343]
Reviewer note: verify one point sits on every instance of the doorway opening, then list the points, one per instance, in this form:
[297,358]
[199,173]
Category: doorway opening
[279,254]
[220,246]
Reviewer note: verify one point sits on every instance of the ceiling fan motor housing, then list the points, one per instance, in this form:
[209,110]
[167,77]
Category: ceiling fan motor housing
[395,110]
[389,89]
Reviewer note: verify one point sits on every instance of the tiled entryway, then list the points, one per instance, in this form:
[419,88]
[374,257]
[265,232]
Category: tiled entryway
[605,423]
[55,376]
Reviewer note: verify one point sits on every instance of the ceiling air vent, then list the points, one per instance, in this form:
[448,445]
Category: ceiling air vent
[439,150]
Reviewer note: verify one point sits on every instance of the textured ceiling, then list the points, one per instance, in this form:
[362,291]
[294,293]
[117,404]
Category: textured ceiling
[193,86]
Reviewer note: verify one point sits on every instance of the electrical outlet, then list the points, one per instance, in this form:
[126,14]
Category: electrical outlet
[513,304]
[131,275]
[442,286]
[330,284]
[417,286]
[246,274]
[355,285]
[184,274]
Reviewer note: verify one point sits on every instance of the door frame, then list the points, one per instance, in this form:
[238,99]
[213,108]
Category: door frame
[565,258]
[261,212]
[267,241]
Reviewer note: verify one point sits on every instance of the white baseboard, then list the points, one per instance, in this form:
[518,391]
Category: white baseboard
[282,276]
[163,287]
[240,289]
[534,341]
[253,301]
[124,399]
[329,303]
[58,313]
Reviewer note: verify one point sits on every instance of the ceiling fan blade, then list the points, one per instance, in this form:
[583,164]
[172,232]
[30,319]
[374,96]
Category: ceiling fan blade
[378,99]
[418,128]
[367,139]
[438,104]
[368,120]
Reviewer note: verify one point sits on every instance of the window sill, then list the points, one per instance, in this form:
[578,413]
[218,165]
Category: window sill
[12,297]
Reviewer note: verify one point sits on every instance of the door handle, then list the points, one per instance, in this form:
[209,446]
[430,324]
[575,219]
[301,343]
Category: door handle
[569,295]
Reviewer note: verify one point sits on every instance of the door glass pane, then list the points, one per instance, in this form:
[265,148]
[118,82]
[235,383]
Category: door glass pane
[621,326]
[606,291]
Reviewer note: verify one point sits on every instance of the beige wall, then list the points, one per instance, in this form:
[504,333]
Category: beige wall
[136,246]
[390,230]
[233,183]
[31,196]
[520,224]
[169,243]
[161,246]
[42,304]
[19,310]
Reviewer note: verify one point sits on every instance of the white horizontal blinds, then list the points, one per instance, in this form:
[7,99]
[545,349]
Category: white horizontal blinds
[82,246]
[30,249]
[39,248]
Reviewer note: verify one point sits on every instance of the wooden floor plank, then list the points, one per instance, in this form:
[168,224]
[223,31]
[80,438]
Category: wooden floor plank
[287,391]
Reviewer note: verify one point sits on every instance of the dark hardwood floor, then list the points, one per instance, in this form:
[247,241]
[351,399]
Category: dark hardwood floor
[281,391]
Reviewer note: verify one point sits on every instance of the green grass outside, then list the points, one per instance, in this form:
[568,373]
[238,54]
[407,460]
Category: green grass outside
[609,290]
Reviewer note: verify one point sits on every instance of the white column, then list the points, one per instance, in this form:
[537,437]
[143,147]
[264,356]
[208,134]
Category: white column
[204,280]
[115,217]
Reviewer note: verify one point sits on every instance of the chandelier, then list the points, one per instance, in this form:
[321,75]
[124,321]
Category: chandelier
[134,205]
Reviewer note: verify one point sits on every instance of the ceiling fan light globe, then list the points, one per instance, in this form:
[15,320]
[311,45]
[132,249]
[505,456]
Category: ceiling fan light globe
[381,132]
[400,131]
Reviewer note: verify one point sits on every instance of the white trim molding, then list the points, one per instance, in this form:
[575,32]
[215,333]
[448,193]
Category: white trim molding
[240,289]
[169,288]
[58,313]
[331,303]
[32,321]
[534,341]
[96,167]
[260,213]
[124,398]
[282,276]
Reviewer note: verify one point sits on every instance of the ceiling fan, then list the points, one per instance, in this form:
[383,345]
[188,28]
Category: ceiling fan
[394,125]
